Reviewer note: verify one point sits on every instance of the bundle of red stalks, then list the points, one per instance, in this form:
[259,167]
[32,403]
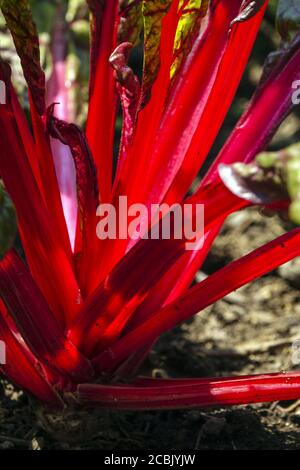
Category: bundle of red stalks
[78,314]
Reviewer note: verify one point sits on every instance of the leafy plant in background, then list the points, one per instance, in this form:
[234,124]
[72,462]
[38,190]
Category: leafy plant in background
[81,314]
[63,27]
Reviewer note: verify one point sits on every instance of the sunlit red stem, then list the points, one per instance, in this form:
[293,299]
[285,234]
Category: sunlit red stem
[202,102]
[218,204]
[49,184]
[41,164]
[245,142]
[111,305]
[43,248]
[21,365]
[269,107]
[129,179]
[149,118]
[239,148]
[58,92]
[216,286]
[194,393]
[36,322]
[103,98]
[201,105]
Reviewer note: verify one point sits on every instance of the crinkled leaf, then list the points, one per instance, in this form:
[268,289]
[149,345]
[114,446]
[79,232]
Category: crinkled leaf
[272,177]
[131,21]
[253,183]
[191,14]
[248,9]
[288,18]
[87,192]
[72,136]
[8,222]
[20,23]
[129,90]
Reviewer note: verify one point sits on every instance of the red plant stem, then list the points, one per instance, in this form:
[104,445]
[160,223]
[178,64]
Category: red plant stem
[49,179]
[99,321]
[36,322]
[268,108]
[218,204]
[58,92]
[195,393]
[208,76]
[147,124]
[245,142]
[21,365]
[44,251]
[26,136]
[40,159]
[237,148]
[171,285]
[149,117]
[103,100]
[163,291]
[219,93]
[216,286]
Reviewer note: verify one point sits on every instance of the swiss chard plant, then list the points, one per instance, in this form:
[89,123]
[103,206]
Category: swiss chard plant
[78,313]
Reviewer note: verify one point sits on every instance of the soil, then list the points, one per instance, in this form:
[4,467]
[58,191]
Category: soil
[250,331]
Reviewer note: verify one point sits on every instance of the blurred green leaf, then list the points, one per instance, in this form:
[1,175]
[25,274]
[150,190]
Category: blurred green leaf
[8,222]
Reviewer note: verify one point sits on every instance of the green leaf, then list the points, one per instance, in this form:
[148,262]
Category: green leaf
[74,9]
[131,21]
[19,20]
[8,222]
[288,18]
[153,13]
[44,15]
[81,32]
[293,181]
[191,13]
[148,15]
